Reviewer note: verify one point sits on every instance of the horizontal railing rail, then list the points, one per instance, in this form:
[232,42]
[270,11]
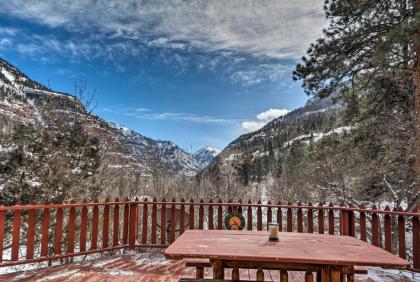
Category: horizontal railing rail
[46,232]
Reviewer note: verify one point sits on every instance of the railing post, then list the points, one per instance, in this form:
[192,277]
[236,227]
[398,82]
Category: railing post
[83,226]
[126,219]
[401,236]
[182,217]
[351,222]
[320,219]
[163,223]
[289,218]
[299,218]
[154,221]
[132,226]
[375,226]
[201,214]
[144,229]
[387,229]
[17,219]
[211,215]
[105,225]
[331,223]
[191,214]
[310,218]
[219,215]
[116,223]
[249,216]
[173,222]
[344,221]
[269,214]
[416,242]
[2,227]
[259,216]
[363,231]
[279,217]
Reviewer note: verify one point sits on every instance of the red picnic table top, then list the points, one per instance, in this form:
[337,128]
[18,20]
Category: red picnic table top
[297,248]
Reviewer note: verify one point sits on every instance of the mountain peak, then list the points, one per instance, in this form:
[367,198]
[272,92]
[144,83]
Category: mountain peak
[205,155]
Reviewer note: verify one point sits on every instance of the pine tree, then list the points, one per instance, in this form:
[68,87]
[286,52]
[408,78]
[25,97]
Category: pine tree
[365,44]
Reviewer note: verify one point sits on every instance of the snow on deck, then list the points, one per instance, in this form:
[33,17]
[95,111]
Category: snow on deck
[154,267]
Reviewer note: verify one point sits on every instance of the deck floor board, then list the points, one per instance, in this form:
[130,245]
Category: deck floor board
[146,267]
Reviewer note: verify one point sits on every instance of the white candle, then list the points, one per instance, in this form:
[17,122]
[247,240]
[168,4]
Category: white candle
[273,230]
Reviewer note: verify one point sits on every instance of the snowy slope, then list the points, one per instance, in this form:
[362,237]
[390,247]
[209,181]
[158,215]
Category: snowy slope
[23,100]
[205,155]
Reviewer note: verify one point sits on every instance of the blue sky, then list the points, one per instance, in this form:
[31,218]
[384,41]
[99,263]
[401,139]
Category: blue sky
[193,72]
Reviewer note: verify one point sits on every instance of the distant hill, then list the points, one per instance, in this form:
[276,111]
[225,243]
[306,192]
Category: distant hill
[205,155]
[27,105]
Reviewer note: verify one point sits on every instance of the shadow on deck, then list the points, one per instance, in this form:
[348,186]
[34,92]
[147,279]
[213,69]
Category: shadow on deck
[151,267]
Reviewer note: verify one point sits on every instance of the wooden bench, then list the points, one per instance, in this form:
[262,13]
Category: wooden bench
[200,264]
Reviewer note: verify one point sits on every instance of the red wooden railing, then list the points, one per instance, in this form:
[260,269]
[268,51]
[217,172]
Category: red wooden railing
[45,232]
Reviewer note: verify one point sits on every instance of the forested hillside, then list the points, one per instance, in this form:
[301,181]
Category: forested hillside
[52,148]
[360,148]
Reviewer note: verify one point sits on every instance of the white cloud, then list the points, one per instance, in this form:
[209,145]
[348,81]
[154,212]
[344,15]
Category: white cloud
[259,74]
[263,118]
[146,114]
[272,28]
[272,114]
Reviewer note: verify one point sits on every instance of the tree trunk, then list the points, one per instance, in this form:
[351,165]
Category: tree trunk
[417,103]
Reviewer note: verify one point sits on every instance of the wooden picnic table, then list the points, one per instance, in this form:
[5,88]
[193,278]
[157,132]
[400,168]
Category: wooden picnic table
[330,256]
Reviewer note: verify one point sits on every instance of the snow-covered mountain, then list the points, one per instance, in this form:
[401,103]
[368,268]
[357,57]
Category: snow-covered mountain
[24,101]
[205,155]
[317,118]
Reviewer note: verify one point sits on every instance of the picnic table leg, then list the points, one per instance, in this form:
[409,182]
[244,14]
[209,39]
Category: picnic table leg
[350,277]
[309,277]
[218,270]
[284,276]
[235,274]
[325,274]
[260,275]
[335,275]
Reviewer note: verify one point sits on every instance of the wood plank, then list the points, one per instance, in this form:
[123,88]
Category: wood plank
[375,228]
[182,217]
[289,218]
[125,222]
[201,215]
[362,218]
[249,217]
[219,215]
[173,222]
[30,238]
[259,216]
[279,217]
[116,224]
[387,230]
[58,231]
[331,226]
[154,222]
[71,229]
[191,210]
[292,248]
[45,232]
[132,229]
[310,218]
[299,218]
[320,219]
[402,252]
[144,229]
[105,225]
[17,219]
[211,215]
[269,214]
[2,227]
[83,227]
[95,227]
[163,223]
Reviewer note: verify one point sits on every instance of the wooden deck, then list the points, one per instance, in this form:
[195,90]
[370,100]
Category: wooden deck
[148,267]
